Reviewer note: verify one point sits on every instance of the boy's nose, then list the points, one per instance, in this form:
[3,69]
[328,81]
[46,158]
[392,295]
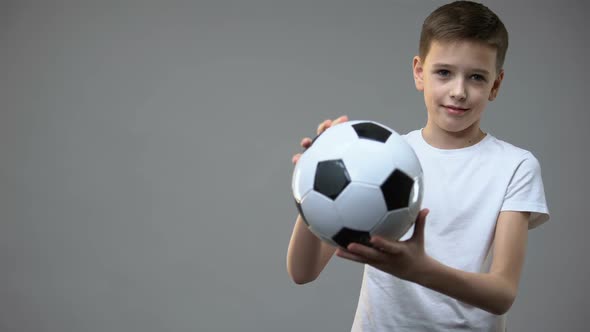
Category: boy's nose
[458,91]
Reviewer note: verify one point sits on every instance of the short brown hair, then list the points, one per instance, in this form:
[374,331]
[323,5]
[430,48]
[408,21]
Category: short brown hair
[465,20]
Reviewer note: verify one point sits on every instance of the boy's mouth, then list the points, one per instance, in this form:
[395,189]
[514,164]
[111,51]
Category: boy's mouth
[455,110]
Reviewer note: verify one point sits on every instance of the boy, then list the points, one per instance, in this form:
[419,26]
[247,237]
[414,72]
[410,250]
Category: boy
[460,270]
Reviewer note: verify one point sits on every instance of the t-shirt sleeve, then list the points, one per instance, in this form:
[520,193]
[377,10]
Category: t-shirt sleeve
[526,192]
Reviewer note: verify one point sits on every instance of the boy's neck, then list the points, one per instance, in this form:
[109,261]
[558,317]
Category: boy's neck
[447,140]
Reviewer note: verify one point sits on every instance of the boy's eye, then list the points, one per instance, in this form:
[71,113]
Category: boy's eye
[477,77]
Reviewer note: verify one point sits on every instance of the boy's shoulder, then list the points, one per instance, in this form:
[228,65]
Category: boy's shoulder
[507,148]
[508,154]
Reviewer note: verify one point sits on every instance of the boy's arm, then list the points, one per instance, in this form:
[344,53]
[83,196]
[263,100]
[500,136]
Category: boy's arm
[494,291]
[307,254]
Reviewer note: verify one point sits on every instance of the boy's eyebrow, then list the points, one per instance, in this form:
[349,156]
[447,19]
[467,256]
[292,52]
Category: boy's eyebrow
[476,70]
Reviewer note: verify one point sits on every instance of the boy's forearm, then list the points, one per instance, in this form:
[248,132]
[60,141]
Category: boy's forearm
[307,255]
[486,291]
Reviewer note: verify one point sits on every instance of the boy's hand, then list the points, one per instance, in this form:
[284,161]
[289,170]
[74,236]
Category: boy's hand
[403,259]
[306,141]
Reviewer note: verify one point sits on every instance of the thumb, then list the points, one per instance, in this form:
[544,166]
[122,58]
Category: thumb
[419,226]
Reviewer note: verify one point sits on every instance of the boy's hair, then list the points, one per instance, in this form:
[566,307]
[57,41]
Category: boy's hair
[465,20]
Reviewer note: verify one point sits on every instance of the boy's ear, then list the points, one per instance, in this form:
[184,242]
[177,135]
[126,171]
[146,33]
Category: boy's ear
[418,70]
[496,86]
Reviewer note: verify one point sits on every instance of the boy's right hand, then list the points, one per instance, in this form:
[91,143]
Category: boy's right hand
[306,141]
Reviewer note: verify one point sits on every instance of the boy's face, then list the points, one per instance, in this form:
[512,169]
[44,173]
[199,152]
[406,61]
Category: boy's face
[458,79]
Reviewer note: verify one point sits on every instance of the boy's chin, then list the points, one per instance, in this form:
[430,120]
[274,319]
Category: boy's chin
[458,129]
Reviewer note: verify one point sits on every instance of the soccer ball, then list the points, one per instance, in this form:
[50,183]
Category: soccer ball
[358,179]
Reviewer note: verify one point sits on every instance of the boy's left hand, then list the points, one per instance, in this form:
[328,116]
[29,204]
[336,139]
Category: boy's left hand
[403,259]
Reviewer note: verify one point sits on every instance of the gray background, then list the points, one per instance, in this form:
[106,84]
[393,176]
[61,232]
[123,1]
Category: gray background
[145,155]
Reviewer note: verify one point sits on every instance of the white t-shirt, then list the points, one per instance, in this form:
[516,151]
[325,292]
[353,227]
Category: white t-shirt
[465,190]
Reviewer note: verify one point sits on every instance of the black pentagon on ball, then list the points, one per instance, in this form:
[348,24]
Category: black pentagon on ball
[346,236]
[331,177]
[396,190]
[373,131]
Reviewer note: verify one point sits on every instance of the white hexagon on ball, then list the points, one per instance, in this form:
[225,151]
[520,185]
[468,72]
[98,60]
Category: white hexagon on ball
[360,206]
[326,220]
[367,161]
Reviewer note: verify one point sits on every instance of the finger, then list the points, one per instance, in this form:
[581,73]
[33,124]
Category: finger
[370,254]
[341,119]
[419,225]
[387,246]
[295,158]
[323,126]
[306,142]
[343,253]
